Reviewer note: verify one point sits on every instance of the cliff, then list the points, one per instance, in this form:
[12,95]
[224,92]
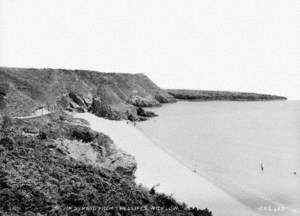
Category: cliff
[109,95]
[201,95]
[56,165]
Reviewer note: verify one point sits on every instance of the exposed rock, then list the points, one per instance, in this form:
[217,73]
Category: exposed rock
[88,99]
[141,112]
[87,146]
[121,162]
[66,103]
[164,99]
[80,151]
[73,102]
[77,99]
[132,118]
[143,101]
[101,109]
[80,103]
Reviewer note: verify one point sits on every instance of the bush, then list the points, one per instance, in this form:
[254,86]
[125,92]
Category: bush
[84,136]
[42,135]
[7,142]
[199,212]
[166,201]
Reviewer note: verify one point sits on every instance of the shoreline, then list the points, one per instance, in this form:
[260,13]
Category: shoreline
[164,140]
[155,166]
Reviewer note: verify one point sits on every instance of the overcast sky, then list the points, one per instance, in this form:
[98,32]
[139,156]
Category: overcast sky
[243,45]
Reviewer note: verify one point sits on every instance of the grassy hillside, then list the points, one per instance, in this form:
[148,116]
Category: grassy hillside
[110,95]
[202,95]
[40,174]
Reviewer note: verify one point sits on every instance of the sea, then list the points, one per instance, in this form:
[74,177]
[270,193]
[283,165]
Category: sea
[251,150]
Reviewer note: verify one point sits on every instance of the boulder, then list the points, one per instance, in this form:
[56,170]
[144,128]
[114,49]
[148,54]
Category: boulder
[121,162]
[88,99]
[132,118]
[101,109]
[77,99]
[141,112]
[72,104]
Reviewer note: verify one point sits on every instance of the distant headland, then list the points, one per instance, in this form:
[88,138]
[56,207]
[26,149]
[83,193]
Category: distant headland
[204,95]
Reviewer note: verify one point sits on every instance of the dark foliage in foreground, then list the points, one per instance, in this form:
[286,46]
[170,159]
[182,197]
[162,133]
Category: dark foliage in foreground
[37,178]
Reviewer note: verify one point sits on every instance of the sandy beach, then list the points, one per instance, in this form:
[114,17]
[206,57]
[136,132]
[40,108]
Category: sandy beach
[157,167]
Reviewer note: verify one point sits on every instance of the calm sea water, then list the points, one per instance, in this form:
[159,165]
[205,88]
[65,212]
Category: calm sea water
[226,143]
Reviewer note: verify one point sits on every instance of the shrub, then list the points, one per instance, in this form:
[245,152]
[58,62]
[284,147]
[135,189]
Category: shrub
[84,136]
[200,212]
[7,142]
[165,200]
[42,135]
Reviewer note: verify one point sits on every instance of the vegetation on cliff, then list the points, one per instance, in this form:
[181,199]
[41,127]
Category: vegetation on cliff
[41,175]
[109,95]
[202,95]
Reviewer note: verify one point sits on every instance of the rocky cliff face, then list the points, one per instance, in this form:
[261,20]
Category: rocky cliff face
[109,95]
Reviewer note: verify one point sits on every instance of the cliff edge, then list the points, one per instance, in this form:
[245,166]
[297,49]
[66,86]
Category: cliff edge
[109,95]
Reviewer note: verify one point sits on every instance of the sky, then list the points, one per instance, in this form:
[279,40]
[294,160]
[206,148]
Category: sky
[240,45]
